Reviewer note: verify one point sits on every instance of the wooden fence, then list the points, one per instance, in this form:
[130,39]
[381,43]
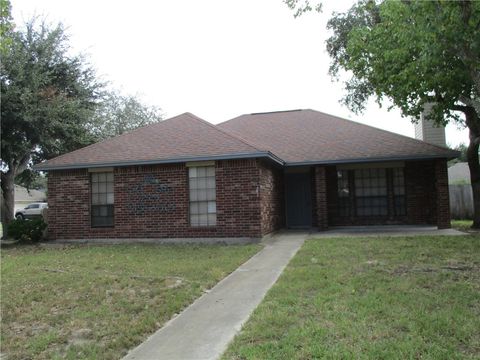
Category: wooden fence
[461,201]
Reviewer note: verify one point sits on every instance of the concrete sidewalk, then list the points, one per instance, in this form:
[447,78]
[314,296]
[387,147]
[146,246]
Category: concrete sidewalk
[204,329]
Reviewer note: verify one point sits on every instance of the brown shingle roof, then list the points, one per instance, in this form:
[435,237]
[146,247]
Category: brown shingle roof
[181,138]
[303,136]
[291,137]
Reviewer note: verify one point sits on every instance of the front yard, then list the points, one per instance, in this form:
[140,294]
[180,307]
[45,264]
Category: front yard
[97,302]
[371,298]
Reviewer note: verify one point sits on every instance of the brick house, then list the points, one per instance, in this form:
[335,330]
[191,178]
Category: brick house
[244,178]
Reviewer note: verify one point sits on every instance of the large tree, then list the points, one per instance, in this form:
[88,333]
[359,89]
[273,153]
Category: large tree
[120,113]
[47,99]
[414,53]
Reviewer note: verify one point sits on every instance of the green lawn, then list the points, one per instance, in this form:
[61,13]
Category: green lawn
[97,302]
[371,298]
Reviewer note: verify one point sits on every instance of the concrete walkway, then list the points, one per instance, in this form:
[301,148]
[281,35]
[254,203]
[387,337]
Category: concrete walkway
[204,329]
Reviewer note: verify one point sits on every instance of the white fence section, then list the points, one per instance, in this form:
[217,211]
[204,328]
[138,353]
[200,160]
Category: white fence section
[461,201]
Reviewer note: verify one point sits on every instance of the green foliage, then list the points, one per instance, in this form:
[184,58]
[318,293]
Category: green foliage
[301,7]
[31,179]
[410,52]
[26,230]
[47,94]
[48,97]
[119,113]
[6,26]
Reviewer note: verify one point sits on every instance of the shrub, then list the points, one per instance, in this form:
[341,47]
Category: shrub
[26,230]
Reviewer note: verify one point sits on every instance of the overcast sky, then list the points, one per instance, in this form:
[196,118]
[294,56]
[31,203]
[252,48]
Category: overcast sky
[217,59]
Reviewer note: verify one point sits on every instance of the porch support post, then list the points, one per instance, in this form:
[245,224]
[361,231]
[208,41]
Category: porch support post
[321,197]
[443,201]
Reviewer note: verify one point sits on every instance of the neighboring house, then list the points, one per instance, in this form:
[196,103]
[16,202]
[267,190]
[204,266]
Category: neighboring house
[244,178]
[23,197]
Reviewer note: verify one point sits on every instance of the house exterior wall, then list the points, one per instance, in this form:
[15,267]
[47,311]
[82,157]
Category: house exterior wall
[250,199]
[142,211]
[272,198]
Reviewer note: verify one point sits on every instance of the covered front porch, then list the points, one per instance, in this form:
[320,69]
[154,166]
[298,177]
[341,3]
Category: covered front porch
[411,192]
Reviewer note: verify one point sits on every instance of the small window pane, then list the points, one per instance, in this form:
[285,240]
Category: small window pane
[203,219]
[110,198]
[102,177]
[212,219]
[192,172]
[194,208]
[202,207]
[194,183]
[103,211]
[201,172]
[211,183]
[94,177]
[110,187]
[202,194]
[212,207]
[193,195]
[110,177]
[102,187]
[211,195]
[211,171]
[202,183]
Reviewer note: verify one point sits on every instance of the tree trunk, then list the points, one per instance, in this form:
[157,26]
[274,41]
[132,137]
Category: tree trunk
[8,199]
[472,121]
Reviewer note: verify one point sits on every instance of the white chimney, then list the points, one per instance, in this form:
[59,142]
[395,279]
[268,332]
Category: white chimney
[428,131]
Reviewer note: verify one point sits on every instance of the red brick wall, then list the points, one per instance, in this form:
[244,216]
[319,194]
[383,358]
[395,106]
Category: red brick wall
[421,192]
[443,198]
[142,211]
[320,197]
[272,201]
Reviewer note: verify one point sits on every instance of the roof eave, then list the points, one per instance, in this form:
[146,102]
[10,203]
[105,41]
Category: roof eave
[370,160]
[263,154]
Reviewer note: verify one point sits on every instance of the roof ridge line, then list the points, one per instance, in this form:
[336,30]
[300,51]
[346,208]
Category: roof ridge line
[225,132]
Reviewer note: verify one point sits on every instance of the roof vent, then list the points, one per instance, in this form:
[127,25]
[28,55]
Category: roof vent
[428,131]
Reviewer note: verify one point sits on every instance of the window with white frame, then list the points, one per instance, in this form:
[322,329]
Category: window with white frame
[203,204]
[102,199]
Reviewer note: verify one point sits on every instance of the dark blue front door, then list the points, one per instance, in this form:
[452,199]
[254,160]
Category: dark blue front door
[298,200]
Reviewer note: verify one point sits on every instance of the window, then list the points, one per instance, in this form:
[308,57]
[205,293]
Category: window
[102,199]
[399,191]
[343,193]
[203,205]
[371,192]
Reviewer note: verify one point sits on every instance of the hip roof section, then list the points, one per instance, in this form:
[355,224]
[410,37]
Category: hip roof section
[309,136]
[182,138]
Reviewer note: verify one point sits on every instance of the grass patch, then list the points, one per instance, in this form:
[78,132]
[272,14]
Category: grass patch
[97,302]
[371,298]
